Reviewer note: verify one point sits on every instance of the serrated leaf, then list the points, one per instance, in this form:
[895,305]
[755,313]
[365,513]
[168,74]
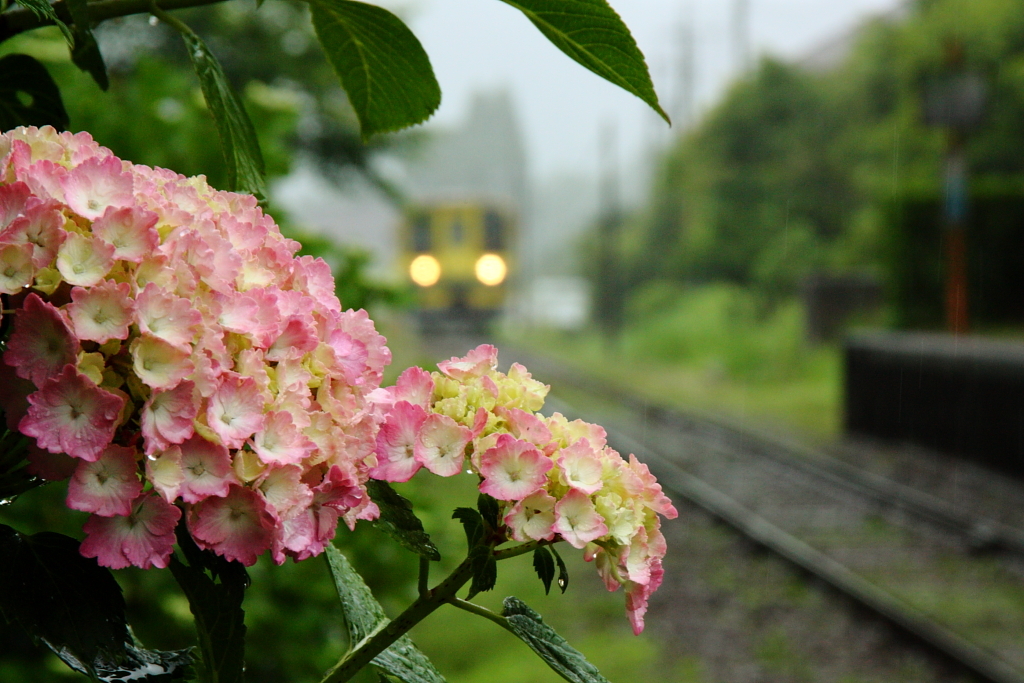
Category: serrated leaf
[545,567]
[472,524]
[364,616]
[566,660]
[44,10]
[237,135]
[399,521]
[382,66]
[593,34]
[489,510]
[481,554]
[563,573]
[85,53]
[22,76]
[216,604]
[75,607]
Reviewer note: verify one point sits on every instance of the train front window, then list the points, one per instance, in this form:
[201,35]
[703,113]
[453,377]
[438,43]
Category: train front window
[421,233]
[458,231]
[493,232]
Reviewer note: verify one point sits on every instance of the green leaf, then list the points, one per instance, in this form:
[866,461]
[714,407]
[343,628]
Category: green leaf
[551,647]
[75,607]
[28,96]
[489,510]
[593,34]
[215,600]
[399,522]
[85,53]
[44,10]
[364,616]
[382,66]
[563,573]
[237,134]
[545,567]
[472,524]
[481,553]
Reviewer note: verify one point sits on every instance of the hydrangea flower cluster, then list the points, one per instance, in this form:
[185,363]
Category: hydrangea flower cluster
[171,355]
[554,479]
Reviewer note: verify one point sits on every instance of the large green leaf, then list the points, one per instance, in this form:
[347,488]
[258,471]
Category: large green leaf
[382,66]
[364,616]
[398,520]
[75,607]
[237,134]
[44,10]
[551,647]
[85,53]
[28,96]
[593,34]
[215,589]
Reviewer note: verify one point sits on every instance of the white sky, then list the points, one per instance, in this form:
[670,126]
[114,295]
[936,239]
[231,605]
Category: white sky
[486,44]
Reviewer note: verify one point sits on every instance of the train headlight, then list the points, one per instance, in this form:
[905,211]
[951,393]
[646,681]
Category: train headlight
[425,270]
[491,269]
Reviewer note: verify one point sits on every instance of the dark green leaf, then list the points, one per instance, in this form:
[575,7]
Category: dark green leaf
[489,510]
[481,554]
[237,134]
[382,66]
[44,10]
[594,35]
[216,604]
[85,53]
[551,647]
[398,520]
[472,524]
[364,615]
[28,96]
[545,567]
[563,573]
[75,607]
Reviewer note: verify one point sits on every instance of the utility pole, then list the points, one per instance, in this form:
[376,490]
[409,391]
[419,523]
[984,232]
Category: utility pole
[610,298]
[741,35]
[683,104]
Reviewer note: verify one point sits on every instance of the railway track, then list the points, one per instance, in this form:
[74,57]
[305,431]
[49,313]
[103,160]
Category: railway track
[914,560]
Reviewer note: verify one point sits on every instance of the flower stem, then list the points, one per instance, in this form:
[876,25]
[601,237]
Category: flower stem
[474,608]
[378,641]
[424,576]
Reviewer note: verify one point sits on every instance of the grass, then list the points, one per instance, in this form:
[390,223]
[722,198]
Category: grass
[712,351]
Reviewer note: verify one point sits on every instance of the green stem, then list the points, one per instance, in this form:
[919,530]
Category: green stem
[380,640]
[481,611]
[518,550]
[20,19]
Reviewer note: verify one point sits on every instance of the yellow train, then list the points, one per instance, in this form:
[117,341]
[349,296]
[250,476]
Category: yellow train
[459,258]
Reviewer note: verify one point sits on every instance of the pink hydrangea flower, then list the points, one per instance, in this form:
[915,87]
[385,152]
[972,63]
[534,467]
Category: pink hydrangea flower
[513,469]
[108,485]
[41,344]
[441,445]
[70,414]
[396,443]
[144,538]
[238,526]
[103,312]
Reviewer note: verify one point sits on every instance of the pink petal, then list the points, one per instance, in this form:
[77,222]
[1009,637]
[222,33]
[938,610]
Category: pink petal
[108,486]
[396,442]
[441,445]
[577,521]
[70,414]
[235,410]
[476,363]
[41,344]
[207,469]
[145,538]
[237,526]
[513,469]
